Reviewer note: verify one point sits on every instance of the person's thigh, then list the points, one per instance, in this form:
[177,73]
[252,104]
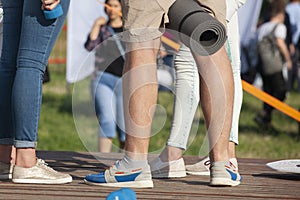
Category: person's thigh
[11,32]
[38,35]
[103,96]
[267,84]
[11,28]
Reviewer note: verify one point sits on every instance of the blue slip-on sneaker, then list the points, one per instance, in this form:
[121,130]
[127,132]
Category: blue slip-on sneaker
[224,174]
[112,177]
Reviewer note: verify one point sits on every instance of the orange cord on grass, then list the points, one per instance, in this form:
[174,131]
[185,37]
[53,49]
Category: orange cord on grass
[272,101]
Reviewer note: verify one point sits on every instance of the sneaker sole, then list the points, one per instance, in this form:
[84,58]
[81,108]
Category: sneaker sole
[178,174]
[223,182]
[132,184]
[198,173]
[43,181]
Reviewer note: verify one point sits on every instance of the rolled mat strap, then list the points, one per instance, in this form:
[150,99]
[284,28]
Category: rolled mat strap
[196,28]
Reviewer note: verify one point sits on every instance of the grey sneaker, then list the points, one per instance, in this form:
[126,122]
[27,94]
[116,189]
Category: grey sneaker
[113,177]
[40,174]
[224,174]
[199,168]
[171,169]
[5,171]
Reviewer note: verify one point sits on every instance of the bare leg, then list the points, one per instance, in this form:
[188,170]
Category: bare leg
[104,144]
[231,150]
[140,96]
[217,101]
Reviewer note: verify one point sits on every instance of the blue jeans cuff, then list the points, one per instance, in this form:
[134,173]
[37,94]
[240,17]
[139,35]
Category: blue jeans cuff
[25,144]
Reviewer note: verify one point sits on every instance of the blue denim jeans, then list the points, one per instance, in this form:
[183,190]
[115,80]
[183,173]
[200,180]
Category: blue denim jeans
[107,96]
[28,39]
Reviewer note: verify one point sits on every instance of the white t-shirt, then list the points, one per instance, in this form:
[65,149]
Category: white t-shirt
[267,27]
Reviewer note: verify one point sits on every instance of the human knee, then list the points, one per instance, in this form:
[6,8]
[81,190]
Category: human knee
[27,63]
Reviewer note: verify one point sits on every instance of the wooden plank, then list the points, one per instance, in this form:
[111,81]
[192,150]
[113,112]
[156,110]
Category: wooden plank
[259,182]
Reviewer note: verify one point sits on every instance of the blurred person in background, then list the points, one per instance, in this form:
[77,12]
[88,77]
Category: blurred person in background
[106,84]
[293,10]
[271,71]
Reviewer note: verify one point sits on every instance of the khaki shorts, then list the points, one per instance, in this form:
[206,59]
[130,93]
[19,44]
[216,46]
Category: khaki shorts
[144,20]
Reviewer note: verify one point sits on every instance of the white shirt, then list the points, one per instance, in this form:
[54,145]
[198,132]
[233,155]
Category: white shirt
[267,27]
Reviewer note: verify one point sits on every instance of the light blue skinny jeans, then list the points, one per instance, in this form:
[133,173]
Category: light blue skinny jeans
[108,99]
[28,39]
[187,89]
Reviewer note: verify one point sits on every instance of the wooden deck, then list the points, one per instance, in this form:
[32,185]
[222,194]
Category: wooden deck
[259,182]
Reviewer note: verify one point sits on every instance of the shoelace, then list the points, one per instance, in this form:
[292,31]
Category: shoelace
[207,163]
[42,163]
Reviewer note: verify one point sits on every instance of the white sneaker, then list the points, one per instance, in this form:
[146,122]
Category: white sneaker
[224,174]
[40,174]
[234,163]
[171,169]
[6,171]
[199,168]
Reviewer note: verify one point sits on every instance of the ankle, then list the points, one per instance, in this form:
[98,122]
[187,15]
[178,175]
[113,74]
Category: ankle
[218,157]
[231,149]
[26,157]
[170,154]
[128,163]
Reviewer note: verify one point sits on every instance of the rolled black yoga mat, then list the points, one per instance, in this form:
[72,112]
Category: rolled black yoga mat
[196,28]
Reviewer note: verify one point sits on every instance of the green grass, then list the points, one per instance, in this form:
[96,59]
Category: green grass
[68,123]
